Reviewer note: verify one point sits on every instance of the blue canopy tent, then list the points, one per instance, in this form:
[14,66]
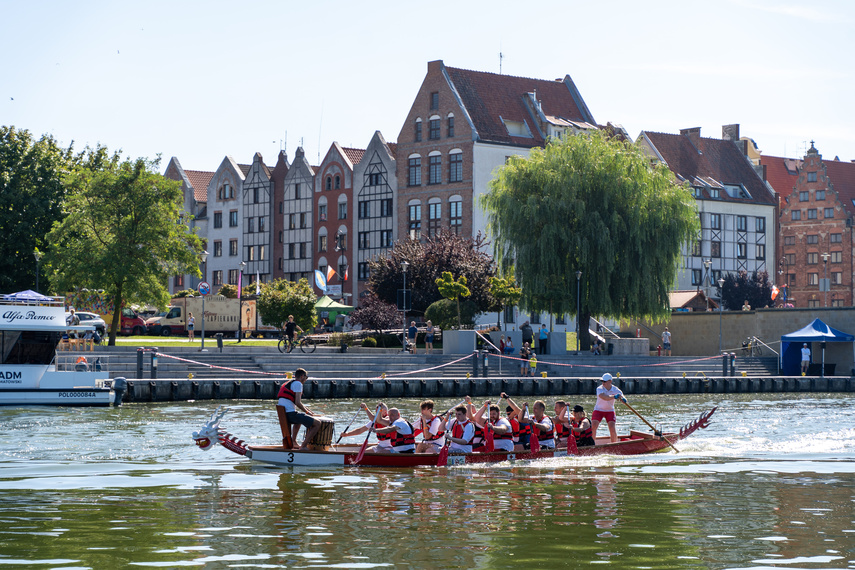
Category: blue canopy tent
[817,331]
[28,295]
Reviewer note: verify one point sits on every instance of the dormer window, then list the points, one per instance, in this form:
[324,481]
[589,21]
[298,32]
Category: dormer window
[697,192]
[517,128]
[714,193]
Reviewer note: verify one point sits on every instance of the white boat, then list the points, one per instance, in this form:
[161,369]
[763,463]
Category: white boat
[32,371]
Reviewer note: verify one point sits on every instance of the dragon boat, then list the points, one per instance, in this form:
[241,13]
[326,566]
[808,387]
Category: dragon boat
[635,443]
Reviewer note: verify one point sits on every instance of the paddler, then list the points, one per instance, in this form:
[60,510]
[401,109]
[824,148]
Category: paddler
[542,427]
[459,431]
[434,437]
[384,440]
[562,430]
[523,427]
[580,427]
[403,437]
[291,399]
[503,433]
[605,406]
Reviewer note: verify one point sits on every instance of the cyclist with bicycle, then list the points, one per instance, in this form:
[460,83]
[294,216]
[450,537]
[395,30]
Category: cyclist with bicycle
[290,327]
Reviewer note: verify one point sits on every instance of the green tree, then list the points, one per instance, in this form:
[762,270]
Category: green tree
[593,204]
[742,286]
[445,313]
[123,231]
[375,314]
[453,290]
[505,291]
[281,298]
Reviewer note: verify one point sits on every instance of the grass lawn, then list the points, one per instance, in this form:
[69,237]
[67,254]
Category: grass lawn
[177,341]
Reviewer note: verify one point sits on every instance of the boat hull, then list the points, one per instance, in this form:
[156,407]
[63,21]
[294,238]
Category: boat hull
[78,396]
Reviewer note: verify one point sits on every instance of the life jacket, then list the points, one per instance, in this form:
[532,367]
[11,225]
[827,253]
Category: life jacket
[561,431]
[587,434]
[286,392]
[399,439]
[81,359]
[428,435]
[387,436]
[546,435]
[515,428]
[509,435]
[457,430]
[478,438]
[525,429]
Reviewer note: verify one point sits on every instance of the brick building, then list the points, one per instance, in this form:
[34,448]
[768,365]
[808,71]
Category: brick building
[277,245]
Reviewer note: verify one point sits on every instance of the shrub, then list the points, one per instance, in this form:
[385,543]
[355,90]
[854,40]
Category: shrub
[443,313]
[369,342]
[337,338]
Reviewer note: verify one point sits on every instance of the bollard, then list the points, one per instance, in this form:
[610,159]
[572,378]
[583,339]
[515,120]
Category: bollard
[119,387]
[486,368]
[219,341]
[140,352]
[543,374]
[724,358]
[154,362]
[733,364]
[474,365]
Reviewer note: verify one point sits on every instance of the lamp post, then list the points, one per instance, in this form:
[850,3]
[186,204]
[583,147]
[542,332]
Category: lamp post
[578,308]
[825,283]
[720,305]
[404,266]
[204,257]
[38,255]
[242,266]
[707,265]
[784,264]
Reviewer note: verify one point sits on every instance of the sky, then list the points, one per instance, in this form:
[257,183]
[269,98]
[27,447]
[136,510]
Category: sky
[202,80]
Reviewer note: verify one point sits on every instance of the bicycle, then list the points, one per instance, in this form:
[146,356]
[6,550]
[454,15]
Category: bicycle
[306,343]
[751,347]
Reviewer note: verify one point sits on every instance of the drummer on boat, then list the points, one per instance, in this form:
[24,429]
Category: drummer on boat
[605,406]
[290,400]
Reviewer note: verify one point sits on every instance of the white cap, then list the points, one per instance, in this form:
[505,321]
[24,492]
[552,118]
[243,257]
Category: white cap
[607,377]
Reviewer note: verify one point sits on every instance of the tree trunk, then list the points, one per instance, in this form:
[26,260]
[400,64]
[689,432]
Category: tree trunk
[117,316]
[459,326]
[584,331]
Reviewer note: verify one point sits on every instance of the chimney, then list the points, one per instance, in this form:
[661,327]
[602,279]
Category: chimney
[730,132]
[694,135]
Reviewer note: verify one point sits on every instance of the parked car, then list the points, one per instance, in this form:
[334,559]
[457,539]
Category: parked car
[90,319]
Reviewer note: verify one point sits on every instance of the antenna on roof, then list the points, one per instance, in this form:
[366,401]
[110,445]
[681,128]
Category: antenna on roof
[500,59]
[285,145]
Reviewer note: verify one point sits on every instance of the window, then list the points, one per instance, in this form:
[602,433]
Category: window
[741,250]
[812,213]
[812,258]
[811,176]
[433,129]
[450,126]
[828,213]
[292,221]
[322,269]
[715,248]
[233,276]
[386,208]
[218,219]
[233,247]
[291,251]
[178,281]
[226,192]
[697,276]
[218,277]
[697,192]
[509,314]
[715,221]
[337,182]
[813,239]
[342,242]
[561,319]
[262,252]
[233,219]
[250,253]
[455,167]
[790,259]
[328,184]
[281,236]
[374,179]
[297,191]
[385,238]
[302,219]
[434,100]
[760,225]
[218,249]
[322,213]
[342,211]
[434,218]
[250,225]
[322,243]
[455,213]
[418,131]
[820,195]
[435,169]
[837,278]
[303,250]
[534,318]
[760,251]
[364,209]
[281,207]
[414,221]
[836,238]
[789,240]
[696,248]
[363,271]
[255,195]
[364,240]
[280,264]
[791,280]
[836,257]
[260,223]
[804,196]
[414,171]
[813,279]
[797,215]
[813,303]
[742,223]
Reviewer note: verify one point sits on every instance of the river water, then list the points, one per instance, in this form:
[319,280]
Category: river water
[770,484]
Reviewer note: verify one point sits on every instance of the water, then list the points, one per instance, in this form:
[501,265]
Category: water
[771,484]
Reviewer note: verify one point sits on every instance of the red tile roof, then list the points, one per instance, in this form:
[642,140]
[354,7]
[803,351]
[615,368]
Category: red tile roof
[841,176]
[489,98]
[781,173]
[199,179]
[715,161]
[354,155]
[393,148]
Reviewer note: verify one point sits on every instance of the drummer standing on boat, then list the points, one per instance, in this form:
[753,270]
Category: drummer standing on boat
[291,399]
[605,406]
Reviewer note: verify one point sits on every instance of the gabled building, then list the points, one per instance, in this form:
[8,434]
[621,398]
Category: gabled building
[225,213]
[333,203]
[194,186]
[375,186]
[461,126]
[257,222]
[277,245]
[737,209]
[295,237]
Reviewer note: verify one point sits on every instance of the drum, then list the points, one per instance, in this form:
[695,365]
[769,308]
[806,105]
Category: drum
[323,439]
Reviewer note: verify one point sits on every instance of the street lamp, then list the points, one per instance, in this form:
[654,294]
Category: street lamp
[404,266]
[784,264]
[242,266]
[578,308]
[707,265]
[825,257]
[38,255]
[720,305]
[204,257]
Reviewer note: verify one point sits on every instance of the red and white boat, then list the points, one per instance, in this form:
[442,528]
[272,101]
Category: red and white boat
[636,443]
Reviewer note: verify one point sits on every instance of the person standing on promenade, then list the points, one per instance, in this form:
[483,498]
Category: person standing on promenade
[527,333]
[191,325]
[605,406]
[666,342]
[805,358]
[542,338]
[412,333]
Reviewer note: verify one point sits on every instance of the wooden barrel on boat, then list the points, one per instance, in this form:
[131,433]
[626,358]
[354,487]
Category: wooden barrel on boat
[323,439]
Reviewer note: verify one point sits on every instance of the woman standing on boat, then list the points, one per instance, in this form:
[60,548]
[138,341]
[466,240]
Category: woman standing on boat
[605,406]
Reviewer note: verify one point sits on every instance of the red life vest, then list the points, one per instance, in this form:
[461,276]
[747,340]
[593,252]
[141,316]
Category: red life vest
[561,431]
[286,392]
[545,435]
[400,440]
[515,428]
[580,435]
[385,436]
[457,430]
[508,435]
[525,429]
[478,438]
[428,435]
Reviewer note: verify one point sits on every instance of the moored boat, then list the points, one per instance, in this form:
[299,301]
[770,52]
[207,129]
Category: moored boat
[634,443]
[31,370]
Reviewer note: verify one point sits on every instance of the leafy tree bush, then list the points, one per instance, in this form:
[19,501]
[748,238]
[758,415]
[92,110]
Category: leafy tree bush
[754,288]
[376,314]
[453,289]
[369,342]
[281,298]
[443,313]
[229,291]
[184,293]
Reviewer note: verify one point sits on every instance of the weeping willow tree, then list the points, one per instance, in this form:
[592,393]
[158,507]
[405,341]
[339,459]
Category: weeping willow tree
[593,204]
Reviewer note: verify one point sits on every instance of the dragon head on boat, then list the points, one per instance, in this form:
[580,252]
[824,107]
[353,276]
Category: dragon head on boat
[209,435]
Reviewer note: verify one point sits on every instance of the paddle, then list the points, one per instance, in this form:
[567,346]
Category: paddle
[365,443]
[348,426]
[442,458]
[533,439]
[648,425]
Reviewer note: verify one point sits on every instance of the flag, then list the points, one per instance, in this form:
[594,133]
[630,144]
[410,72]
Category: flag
[774,291]
[257,284]
[346,271]
[240,278]
[320,280]
[330,273]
